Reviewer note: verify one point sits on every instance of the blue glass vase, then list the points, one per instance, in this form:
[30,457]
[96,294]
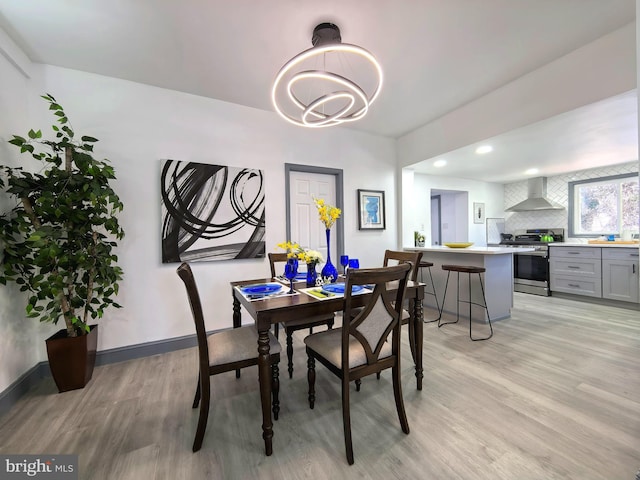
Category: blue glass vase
[329,271]
[312,275]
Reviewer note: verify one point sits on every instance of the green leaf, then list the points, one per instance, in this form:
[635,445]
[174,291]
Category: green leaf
[86,138]
[18,141]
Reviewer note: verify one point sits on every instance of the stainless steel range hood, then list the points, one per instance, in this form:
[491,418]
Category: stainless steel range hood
[536,198]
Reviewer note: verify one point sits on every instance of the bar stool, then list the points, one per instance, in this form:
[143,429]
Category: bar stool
[469,270]
[425,264]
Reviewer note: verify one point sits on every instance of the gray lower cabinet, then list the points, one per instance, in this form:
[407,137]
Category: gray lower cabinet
[576,270]
[620,274]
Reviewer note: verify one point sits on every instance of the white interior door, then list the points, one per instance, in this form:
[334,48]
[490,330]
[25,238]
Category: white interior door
[306,228]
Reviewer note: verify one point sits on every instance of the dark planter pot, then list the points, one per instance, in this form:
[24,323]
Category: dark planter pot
[71,359]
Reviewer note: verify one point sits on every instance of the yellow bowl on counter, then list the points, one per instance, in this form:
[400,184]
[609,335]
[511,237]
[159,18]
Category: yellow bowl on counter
[458,244]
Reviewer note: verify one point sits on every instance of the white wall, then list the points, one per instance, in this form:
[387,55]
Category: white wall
[138,125]
[417,211]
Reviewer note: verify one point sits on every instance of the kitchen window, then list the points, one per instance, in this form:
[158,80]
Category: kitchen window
[603,206]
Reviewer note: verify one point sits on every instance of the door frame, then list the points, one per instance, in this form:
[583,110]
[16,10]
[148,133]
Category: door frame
[338,176]
[438,200]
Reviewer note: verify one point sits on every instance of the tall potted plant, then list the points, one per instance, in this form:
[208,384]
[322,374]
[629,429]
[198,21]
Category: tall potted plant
[58,241]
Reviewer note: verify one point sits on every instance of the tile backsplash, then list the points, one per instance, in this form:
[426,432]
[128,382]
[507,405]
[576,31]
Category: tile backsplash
[557,190]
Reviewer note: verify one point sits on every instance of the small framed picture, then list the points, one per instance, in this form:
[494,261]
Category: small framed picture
[478,212]
[371,210]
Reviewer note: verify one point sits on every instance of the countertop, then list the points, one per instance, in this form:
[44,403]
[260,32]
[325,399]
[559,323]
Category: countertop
[594,245]
[472,250]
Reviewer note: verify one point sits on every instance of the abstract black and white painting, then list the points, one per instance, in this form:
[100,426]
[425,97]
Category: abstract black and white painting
[211,212]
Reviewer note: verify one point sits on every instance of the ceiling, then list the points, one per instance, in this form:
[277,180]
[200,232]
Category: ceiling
[437,55]
[597,135]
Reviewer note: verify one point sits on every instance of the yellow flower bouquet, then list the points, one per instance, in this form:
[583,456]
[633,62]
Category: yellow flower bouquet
[294,250]
[328,213]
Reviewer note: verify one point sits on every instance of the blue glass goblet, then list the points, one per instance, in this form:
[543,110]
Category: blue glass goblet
[354,263]
[290,272]
[344,261]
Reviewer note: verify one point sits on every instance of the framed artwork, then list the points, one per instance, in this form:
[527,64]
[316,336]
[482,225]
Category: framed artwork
[371,210]
[211,212]
[478,212]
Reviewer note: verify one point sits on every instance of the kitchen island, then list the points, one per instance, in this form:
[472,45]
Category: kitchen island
[498,278]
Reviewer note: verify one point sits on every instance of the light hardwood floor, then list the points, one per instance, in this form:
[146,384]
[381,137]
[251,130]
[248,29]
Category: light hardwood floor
[555,394]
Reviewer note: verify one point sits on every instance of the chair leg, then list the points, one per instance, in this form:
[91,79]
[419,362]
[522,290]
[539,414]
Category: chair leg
[486,309]
[275,389]
[444,297]
[346,420]
[412,334]
[435,296]
[196,399]
[397,392]
[290,351]
[378,375]
[330,325]
[311,378]
[205,386]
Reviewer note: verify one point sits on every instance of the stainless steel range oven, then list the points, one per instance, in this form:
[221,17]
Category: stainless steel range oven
[531,269]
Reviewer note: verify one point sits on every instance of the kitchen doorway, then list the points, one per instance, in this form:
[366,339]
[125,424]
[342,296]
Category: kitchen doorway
[454,215]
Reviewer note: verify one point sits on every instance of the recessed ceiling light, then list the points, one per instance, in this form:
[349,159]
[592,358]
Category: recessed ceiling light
[440,163]
[531,171]
[484,149]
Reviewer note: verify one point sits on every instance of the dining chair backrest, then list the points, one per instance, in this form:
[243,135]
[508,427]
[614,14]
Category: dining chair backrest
[381,315]
[276,258]
[185,273]
[392,257]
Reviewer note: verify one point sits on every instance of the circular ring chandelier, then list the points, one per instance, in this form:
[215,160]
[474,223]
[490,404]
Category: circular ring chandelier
[328,84]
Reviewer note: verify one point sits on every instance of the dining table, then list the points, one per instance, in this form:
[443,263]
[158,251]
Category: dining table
[269,310]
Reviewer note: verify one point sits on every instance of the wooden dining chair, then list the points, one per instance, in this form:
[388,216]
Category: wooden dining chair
[299,323]
[361,347]
[223,351]
[394,257]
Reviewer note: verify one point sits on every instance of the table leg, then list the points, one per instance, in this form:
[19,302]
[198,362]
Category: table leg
[264,376]
[237,319]
[237,316]
[418,318]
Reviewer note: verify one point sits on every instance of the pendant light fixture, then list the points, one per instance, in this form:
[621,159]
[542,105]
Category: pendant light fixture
[328,84]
